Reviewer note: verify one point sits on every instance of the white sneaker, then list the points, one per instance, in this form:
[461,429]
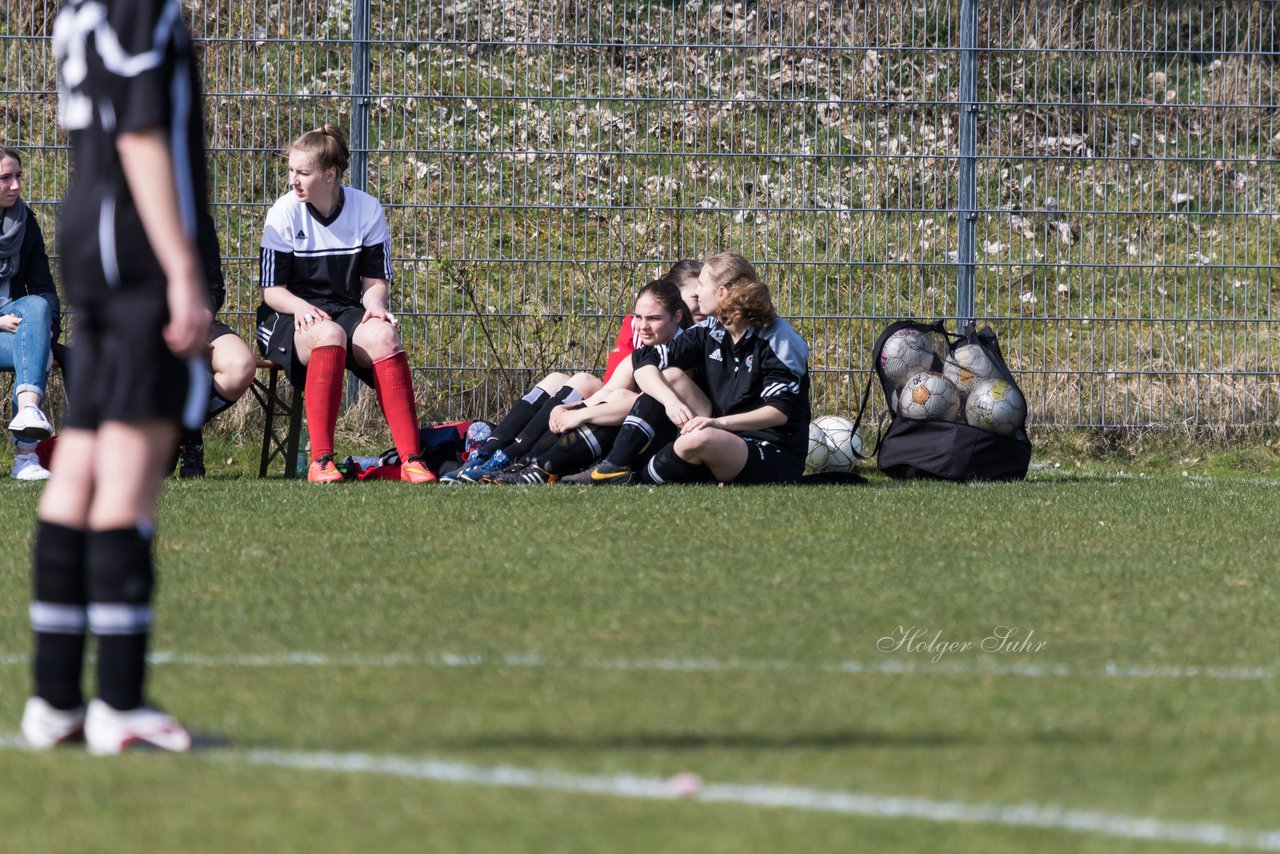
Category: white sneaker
[30,423]
[109,731]
[45,727]
[27,467]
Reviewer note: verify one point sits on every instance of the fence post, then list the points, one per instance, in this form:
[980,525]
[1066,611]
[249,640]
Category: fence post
[968,190]
[360,99]
[360,95]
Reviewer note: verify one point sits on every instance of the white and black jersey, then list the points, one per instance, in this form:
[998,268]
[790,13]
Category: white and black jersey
[322,260]
[124,66]
[768,367]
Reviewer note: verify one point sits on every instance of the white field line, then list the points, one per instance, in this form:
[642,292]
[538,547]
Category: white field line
[1116,825]
[1108,670]
[775,796]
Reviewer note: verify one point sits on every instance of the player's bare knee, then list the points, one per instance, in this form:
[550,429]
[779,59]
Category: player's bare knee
[585,384]
[326,333]
[379,339]
[692,446]
[553,382]
[235,371]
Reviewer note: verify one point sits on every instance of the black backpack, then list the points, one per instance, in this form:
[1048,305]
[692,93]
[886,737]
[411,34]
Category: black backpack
[950,449]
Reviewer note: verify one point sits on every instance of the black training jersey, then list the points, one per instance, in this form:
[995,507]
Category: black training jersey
[767,367]
[323,260]
[124,66]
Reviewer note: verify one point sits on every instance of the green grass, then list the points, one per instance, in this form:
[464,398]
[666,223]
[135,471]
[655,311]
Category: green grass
[1145,570]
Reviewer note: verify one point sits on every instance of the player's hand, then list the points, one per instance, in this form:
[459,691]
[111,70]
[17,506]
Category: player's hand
[698,422]
[679,414]
[187,332]
[304,320]
[379,313]
[564,419]
[9,322]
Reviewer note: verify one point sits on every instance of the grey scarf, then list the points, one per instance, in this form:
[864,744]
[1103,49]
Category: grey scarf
[13,226]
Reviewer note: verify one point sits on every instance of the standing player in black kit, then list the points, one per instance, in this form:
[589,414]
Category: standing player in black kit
[130,100]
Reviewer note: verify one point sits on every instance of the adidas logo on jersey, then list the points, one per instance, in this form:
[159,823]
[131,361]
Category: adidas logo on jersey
[716,357]
[299,235]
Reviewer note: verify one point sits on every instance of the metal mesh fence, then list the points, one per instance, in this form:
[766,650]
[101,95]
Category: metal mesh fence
[539,162]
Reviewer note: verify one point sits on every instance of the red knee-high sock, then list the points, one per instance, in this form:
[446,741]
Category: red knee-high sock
[394,384]
[323,395]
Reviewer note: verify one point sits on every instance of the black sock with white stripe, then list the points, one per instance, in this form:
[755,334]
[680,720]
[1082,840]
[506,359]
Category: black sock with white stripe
[667,467]
[58,614]
[643,423]
[514,421]
[540,422]
[577,449]
[121,579]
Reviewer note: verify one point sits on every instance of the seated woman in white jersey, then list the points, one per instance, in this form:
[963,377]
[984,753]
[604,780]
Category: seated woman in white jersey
[526,424]
[326,273]
[750,422]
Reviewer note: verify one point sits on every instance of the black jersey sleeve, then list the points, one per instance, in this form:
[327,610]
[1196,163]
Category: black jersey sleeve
[136,49]
[375,262]
[375,252]
[274,267]
[781,387]
[686,351]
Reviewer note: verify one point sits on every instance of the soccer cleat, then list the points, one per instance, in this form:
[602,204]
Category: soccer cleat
[484,468]
[414,470]
[27,467]
[450,478]
[191,458]
[44,727]
[109,731]
[603,473]
[323,470]
[523,474]
[510,467]
[30,423]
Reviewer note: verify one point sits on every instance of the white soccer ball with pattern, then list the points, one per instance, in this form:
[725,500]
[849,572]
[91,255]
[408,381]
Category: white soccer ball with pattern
[906,353]
[996,405]
[843,443]
[816,460]
[929,396]
[967,364]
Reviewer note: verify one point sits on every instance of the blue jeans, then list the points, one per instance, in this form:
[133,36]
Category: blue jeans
[27,352]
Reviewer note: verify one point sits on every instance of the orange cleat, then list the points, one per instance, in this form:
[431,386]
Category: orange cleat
[323,470]
[414,470]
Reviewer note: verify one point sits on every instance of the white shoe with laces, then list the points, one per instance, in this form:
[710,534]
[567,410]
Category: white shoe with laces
[27,467]
[31,423]
[110,731]
[44,727]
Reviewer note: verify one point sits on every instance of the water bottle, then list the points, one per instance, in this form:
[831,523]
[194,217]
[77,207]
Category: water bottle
[304,453]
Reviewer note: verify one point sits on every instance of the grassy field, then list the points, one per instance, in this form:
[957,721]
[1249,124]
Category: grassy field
[569,652]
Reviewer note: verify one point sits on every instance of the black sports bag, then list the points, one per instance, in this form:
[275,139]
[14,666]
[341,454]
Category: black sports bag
[941,444]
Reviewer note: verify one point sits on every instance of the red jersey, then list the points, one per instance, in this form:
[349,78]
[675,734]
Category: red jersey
[628,340]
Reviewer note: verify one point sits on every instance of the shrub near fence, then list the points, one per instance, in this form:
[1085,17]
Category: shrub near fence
[1095,179]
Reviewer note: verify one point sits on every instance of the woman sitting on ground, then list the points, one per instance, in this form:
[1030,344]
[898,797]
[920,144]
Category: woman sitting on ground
[326,272]
[580,433]
[750,366]
[526,423]
[29,317]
